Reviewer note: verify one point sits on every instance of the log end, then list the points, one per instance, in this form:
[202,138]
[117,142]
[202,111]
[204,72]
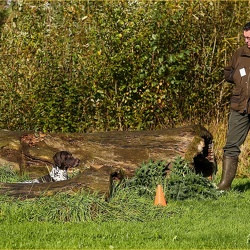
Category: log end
[201,152]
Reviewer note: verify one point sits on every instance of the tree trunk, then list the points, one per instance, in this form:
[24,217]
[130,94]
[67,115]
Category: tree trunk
[103,155]
[92,180]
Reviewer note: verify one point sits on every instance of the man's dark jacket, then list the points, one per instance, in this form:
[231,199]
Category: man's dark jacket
[238,72]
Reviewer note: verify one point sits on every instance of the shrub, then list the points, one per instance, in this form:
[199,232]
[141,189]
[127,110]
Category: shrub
[75,66]
[180,183]
[184,183]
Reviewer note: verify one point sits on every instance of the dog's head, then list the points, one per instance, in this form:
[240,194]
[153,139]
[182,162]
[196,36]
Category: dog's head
[65,160]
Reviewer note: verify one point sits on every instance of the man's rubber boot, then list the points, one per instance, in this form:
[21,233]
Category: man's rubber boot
[229,168]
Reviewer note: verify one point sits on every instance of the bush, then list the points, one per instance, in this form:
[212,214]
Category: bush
[115,65]
[180,183]
[184,183]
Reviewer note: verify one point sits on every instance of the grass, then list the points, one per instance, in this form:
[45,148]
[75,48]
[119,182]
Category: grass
[9,174]
[206,224]
[127,221]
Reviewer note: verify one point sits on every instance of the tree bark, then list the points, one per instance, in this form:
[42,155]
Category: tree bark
[92,180]
[104,155]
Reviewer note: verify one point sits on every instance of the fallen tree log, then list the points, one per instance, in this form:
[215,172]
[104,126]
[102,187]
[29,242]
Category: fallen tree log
[117,151]
[92,180]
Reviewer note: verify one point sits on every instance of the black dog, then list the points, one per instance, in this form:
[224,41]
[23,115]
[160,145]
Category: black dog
[62,161]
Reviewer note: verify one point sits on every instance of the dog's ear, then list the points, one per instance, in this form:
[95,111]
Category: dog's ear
[57,159]
[60,158]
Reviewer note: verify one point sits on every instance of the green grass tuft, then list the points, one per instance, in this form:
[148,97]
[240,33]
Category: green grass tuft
[9,174]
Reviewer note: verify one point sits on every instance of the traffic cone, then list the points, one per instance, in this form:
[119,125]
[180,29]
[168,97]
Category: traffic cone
[159,197]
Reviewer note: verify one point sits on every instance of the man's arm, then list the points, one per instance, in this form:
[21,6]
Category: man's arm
[228,74]
[230,68]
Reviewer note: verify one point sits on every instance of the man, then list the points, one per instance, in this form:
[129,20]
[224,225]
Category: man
[237,72]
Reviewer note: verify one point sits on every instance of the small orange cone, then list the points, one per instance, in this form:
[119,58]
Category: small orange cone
[159,197]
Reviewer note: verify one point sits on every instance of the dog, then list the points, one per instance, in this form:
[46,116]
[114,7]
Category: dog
[63,160]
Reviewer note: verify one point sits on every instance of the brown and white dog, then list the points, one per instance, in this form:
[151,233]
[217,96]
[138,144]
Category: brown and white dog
[63,160]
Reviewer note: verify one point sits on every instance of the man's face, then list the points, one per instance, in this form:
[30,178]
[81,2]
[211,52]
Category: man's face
[246,35]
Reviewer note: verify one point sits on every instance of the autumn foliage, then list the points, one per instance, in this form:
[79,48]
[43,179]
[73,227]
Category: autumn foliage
[75,66]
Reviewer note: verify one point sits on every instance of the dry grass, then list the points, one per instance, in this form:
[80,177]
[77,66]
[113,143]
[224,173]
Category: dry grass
[219,130]
[244,160]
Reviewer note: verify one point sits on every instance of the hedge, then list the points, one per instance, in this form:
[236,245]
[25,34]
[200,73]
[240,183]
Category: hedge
[77,66]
